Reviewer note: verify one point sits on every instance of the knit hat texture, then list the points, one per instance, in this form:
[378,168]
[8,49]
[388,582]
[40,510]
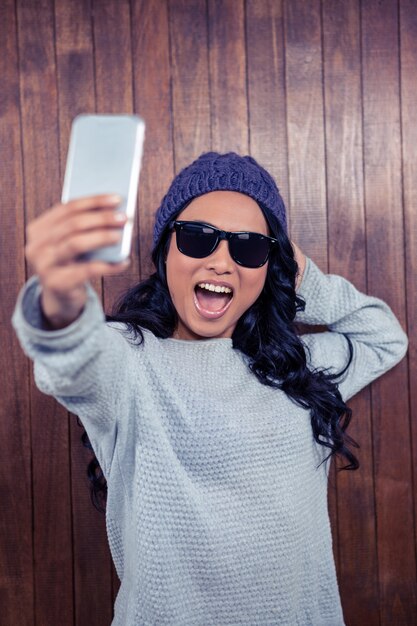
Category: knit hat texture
[220,172]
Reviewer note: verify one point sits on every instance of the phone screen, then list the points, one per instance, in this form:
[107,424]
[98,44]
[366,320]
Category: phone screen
[104,156]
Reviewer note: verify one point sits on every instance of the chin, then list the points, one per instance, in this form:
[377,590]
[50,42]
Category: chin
[205,330]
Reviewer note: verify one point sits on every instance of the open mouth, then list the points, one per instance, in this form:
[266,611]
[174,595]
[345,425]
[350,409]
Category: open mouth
[211,300]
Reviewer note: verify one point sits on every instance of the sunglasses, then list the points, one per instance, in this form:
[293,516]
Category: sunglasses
[198,240]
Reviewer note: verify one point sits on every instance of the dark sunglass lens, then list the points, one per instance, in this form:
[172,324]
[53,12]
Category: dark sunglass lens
[196,240]
[249,249]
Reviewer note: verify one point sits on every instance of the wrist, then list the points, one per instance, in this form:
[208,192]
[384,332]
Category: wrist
[57,313]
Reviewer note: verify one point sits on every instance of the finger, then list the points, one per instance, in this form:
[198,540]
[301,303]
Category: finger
[69,277]
[63,211]
[79,223]
[68,250]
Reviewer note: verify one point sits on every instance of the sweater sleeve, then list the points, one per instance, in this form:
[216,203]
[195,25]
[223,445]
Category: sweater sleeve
[377,338]
[80,365]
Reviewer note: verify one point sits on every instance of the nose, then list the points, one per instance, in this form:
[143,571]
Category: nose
[220,260]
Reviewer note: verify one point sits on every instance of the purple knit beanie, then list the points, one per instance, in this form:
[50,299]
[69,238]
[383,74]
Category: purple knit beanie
[220,172]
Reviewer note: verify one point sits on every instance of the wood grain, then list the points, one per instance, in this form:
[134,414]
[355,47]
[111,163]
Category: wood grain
[228,94]
[408,58]
[113,71]
[306,153]
[16,541]
[50,447]
[114,91]
[190,82]
[306,158]
[153,100]
[357,562]
[265,53]
[385,255]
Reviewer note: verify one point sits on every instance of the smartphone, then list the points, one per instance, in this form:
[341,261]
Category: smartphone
[104,156]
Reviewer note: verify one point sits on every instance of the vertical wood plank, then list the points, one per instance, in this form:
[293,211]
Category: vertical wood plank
[75,69]
[152,97]
[113,68]
[266,89]
[114,92]
[357,572]
[92,569]
[306,153]
[51,480]
[385,250]
[113,56]
[303,59]
[190,88]
[16,544]
[75,66]
[228,94]
[408,58]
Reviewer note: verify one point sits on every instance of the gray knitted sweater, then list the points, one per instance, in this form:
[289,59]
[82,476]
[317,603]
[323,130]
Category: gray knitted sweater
[217,501]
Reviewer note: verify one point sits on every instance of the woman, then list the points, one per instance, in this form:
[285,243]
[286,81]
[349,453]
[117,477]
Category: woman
[210,417]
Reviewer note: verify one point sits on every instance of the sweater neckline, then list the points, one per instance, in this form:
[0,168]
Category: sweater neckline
[215,341]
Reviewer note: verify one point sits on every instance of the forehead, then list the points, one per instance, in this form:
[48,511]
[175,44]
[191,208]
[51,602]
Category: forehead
[228,210]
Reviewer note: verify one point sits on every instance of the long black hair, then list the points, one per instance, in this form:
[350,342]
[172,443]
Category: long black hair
[266,333]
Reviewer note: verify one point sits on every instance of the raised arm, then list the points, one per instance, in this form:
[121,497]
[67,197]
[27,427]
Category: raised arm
[82,365]
[377,338]
[59,319]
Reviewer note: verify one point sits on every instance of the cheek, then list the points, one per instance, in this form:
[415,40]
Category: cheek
[178,267]
[254,281]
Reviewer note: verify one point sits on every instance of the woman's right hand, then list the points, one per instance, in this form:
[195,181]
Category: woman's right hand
[54,242]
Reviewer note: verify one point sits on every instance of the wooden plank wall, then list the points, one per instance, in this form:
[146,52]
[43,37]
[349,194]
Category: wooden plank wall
[324,95]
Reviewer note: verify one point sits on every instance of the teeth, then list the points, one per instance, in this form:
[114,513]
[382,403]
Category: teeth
[216,288]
